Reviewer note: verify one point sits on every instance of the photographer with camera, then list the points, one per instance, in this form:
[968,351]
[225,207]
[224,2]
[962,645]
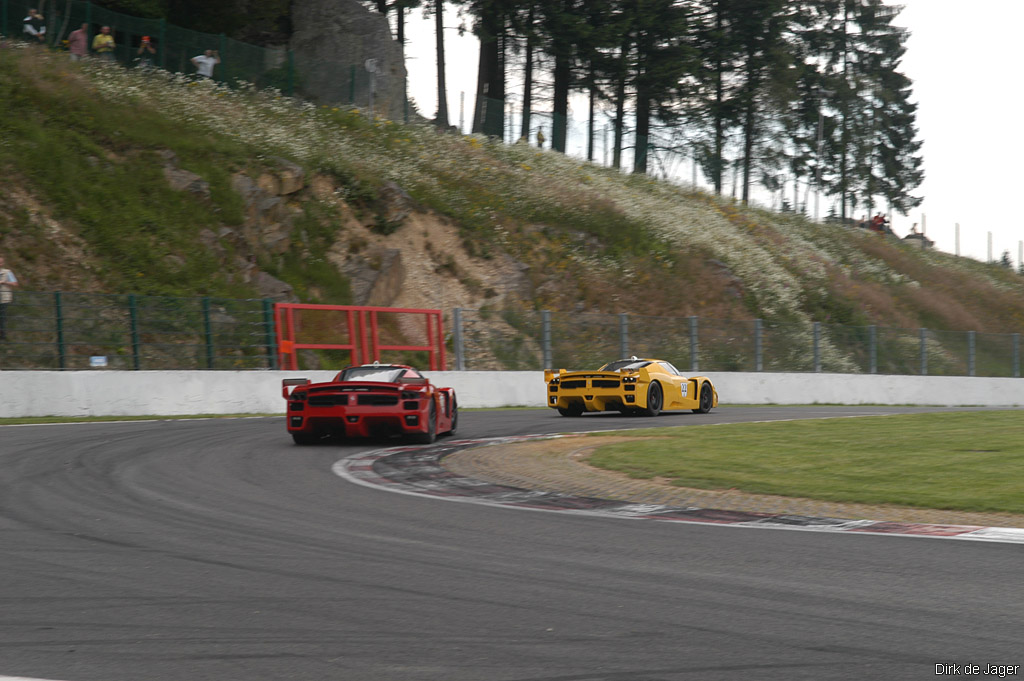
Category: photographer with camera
[146,52]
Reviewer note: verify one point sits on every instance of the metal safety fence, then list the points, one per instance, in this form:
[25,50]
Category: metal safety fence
[58,330]
[531,340]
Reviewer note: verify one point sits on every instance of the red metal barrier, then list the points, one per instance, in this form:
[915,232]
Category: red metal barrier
[361,327]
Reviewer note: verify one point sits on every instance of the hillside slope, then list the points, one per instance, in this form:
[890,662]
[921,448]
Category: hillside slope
[117,180]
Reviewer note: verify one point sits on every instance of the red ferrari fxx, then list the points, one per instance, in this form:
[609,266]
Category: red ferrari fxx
[370,400]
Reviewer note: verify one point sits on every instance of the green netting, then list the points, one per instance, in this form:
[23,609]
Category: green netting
[175,46]
[57,330]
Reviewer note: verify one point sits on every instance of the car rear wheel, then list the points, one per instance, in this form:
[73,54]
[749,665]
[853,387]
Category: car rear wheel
[455,416]
[571,410]
[431,434]
[304,439]
[704,405]
[655,400]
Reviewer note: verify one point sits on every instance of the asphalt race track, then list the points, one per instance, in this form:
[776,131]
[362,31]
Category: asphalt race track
[217,550]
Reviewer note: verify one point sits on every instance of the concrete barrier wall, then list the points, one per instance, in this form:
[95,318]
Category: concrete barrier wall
[939,391]
[129,393]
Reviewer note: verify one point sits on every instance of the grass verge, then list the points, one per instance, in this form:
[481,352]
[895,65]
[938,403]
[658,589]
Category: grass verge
[956,461]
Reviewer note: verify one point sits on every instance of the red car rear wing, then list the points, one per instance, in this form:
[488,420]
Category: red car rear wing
[286,383]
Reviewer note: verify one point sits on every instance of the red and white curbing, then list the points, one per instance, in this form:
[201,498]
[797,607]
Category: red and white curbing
[417,470]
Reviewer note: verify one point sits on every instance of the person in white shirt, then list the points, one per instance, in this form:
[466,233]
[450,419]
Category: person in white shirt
[34,26]
[204,63]
[7,282]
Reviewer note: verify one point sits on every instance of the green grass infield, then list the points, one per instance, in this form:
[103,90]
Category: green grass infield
[955,460]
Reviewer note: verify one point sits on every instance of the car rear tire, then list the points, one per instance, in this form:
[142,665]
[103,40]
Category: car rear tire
[706,400]
[572,410]
[428,437]
[455,416]
[303,439]
[655,400]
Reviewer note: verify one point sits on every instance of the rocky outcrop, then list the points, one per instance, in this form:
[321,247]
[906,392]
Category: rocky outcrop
[183,180]
[395,205]
[269,219]
[332,41]
[375,278]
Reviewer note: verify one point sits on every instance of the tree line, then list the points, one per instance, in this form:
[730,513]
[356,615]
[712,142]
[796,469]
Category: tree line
[809,90]
[777,93]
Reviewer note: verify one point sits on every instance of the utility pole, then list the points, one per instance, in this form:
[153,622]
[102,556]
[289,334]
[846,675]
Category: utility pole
[462,112]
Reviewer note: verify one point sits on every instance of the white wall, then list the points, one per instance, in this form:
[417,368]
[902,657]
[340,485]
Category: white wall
[123,393]
[787,388]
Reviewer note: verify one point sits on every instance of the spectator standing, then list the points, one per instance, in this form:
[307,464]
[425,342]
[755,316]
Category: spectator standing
[103,44]
[78,43]
[205,62]
[146,52]
[540,138]
[35,26]
[7,283]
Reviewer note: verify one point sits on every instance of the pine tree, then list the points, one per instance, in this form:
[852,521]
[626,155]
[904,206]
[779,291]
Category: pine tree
[710,95]
[564,27]
[759,27]
[491,17]
[874,150]
[441,117]
[662,60]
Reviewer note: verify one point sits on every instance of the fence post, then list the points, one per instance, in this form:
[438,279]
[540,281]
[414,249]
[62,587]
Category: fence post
[457,342]
[133,312]
[268,333]
[817,347]
[223,50]
[58,311]
[757,345]
[623,335]
[970,353]
[924,351]
[694,347]
[873,348]
[1016,355]
[291,73]
[207,332]
[163,43]
[545,333]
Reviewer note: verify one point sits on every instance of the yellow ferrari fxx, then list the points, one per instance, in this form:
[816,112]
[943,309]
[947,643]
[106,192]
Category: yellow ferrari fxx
[629,386]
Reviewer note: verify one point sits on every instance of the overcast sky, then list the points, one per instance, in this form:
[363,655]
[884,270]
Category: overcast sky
[964,64]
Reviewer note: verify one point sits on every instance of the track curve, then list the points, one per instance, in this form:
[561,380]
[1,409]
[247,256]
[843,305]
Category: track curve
[218,550]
